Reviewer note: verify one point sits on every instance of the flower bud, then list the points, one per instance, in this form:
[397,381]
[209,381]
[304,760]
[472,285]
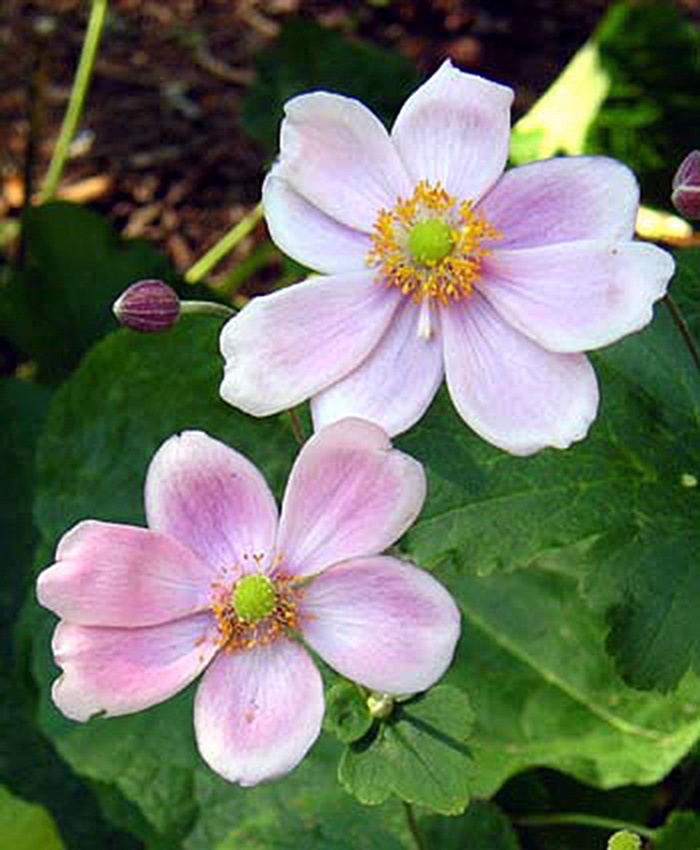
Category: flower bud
[149,306]
[686,186]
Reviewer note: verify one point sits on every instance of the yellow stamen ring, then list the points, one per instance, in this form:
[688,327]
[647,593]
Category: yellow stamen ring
[256,610]
[429,246]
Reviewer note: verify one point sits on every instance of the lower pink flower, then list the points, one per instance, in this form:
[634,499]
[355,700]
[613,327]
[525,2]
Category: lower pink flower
[218,581]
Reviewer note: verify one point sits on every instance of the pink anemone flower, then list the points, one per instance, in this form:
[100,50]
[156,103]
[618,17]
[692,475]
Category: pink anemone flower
[218,581]
[436,263]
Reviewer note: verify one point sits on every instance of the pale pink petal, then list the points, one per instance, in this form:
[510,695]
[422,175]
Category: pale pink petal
[120,575]
[576,296]
[395,384]
[562,200]
[120,671]
[339,156]
[455,130]
[511,391]
[283,348]
[258,711]
[349,493]
[210,498]
[308,235]
[382,623]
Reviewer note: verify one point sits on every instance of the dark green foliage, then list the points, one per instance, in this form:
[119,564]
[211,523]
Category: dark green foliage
[307,57]
[650,117]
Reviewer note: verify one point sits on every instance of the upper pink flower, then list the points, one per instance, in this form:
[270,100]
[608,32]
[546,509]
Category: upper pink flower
[436,262]
[218,581]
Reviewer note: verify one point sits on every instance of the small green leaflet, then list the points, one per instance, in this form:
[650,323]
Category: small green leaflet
[418,754]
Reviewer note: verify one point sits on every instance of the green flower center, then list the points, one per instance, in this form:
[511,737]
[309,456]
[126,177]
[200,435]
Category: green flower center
[430,241]
[253,598]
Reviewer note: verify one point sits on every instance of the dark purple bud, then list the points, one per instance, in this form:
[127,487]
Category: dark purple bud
[686,186]
[149,306]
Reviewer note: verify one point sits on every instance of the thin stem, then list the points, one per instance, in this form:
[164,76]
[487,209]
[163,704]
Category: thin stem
[81,83]
[583,819]
[684,329]
[227,243]
[245,269]
[296,426]
[211,308]
[413,826]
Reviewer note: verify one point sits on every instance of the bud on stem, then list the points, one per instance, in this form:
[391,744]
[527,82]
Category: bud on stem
[151,306]
[686,187]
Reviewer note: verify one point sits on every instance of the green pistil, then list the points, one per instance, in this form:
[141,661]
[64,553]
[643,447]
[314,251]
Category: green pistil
[253,598]
[430,241]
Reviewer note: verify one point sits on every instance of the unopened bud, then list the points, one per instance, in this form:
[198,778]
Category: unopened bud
[686,186]
[625,841]
[380,706]
[150,306]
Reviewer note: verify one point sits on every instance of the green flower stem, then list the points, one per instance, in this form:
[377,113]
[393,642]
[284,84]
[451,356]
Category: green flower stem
[227,243]
[245,269]
[583,819]
[296,426]
[684,330]
[210,308]
[413,826]
[81,83]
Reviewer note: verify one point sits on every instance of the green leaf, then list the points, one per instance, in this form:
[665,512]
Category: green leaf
[686,286]
[22,409]
[130,394]
[591,509]
[307,57]
[482,827]
[76,266]
[545,692]
[560,120]
[26,826]
[347,716]
[307,809]
[680,832]
[418,754]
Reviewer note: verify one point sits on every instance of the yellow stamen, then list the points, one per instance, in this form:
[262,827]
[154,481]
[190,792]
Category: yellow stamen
[236,632]
[451,271]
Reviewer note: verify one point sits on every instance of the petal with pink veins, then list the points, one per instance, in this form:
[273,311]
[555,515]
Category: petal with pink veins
[339,156]
[308,235]
[455,130]
[562,200]
[382,623]
[120,671]
[212,499]
[576,296]
[119,575]
[511,391]
[258,711]
[349,493]
[285,347]
[395,384]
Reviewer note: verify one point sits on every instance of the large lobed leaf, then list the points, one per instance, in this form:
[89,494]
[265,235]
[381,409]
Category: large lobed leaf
[623,506]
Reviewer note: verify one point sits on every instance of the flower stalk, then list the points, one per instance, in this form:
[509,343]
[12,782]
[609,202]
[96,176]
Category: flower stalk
[225,245]
[81,84]
[583,819]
